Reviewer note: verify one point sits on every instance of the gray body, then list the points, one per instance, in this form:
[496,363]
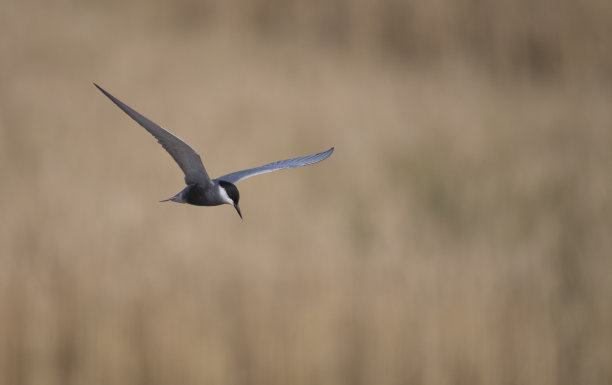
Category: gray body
[195,194]
[201,190]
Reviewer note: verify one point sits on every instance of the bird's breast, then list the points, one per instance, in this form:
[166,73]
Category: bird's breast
[196,195]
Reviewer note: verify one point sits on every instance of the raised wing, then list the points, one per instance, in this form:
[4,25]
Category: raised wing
[237,176]
[186,157]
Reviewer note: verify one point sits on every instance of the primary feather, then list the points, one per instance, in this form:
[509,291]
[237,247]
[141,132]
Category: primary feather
[187,158]
[237,176]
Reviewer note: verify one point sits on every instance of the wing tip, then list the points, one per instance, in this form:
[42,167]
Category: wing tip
[103,91]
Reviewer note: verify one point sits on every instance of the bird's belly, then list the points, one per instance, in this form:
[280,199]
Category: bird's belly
[199,197]
[203,203]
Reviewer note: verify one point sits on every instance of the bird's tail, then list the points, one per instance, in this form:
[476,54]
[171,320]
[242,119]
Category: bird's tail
[177,198]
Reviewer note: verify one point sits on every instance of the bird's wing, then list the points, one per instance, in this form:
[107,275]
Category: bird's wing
[186,157]
[237,176]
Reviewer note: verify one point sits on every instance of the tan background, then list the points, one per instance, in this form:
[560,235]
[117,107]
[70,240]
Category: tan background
[460,234]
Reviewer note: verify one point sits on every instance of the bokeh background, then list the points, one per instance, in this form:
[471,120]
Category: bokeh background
[460,234]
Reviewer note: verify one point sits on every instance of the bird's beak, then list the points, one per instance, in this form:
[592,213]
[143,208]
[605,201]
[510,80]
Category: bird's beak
[238,209]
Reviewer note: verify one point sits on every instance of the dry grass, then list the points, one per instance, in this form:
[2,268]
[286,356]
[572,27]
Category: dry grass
[459,235]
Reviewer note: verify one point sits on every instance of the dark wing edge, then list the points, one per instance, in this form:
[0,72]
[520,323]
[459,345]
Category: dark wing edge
[237,176]
[183,154]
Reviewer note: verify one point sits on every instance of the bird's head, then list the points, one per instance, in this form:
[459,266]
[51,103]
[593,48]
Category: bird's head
[231,194]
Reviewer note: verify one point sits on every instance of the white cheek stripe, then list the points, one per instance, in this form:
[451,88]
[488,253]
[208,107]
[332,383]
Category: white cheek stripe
[225,197]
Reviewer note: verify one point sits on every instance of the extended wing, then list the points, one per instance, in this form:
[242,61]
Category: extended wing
[187,158]
[237,176]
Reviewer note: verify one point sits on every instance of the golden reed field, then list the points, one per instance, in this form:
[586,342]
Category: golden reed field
[460,234]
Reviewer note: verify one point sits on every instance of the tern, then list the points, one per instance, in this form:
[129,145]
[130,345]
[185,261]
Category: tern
[201,190]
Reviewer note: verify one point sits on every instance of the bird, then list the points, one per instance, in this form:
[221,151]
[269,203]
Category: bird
[200,189]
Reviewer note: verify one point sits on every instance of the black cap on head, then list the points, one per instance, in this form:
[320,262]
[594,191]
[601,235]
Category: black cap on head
[232,192]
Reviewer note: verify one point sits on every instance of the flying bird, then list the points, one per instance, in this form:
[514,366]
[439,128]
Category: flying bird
[201,190]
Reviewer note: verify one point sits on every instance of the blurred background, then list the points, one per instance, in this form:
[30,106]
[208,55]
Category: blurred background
[460,234]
